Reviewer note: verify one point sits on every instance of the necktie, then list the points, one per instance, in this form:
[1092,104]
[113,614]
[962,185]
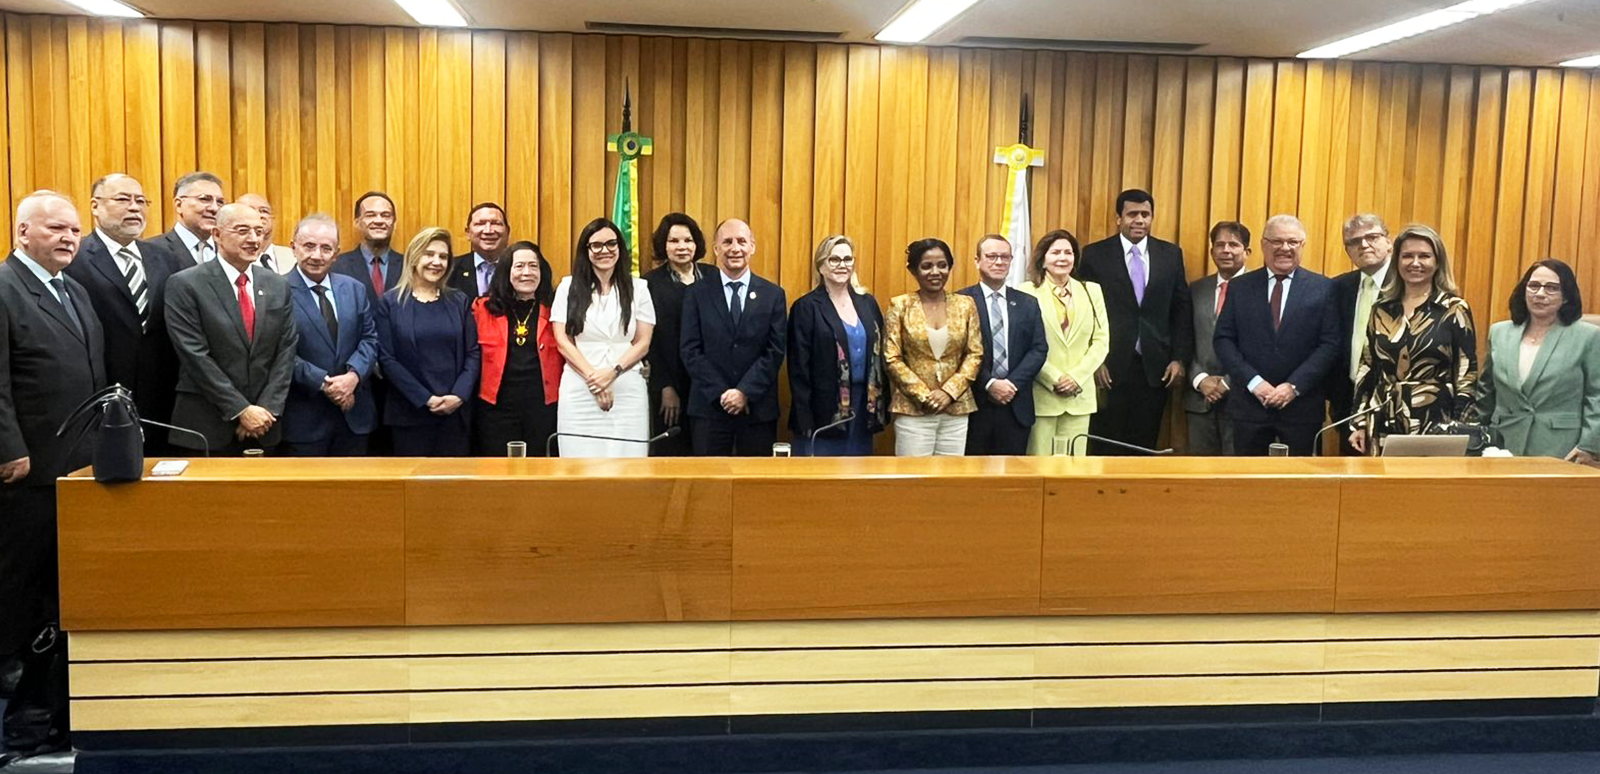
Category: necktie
[1277,299]
[1358,336]
[202,252]
[1136,273]
[485,271]
[326,306]
[247,307]
[1222,295]
[377,274]
[997,323]
[66,302]
[735,305]
[266,260]
[134,279]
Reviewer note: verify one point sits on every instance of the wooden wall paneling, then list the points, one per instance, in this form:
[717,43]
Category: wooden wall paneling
[1194,205]
[141,80]
[213,102]
[427,193]
[1076,145]
[1539,194]
[1338,193]
[1480,247]
[912,221]
[659,99]
[732,116]
[400,119]
[344,185]
[76,115]
[1587,260]
[523,180]
[7,71]
[367,113]
[620,64]
[1402,161]
[1005,105]
[1139,131]
[591,190]
[489,118]
[891,160]
[1386,200]
[1571,145]
[178,154]
[319,183]
[1166,154]
[284,115]
[943,129]
[700,100]
[680,126]
[832,104]
[1044,183]
[798,160]
[1321,253]
[1255,172]
[766,161]
[1456,163]
[1426,171]
[248,109]
[1511,200]
[1111,73]
[1364,109]
[49,130]
[861,145]
[455,133]
[555,150]
[1227,144]
[974,151]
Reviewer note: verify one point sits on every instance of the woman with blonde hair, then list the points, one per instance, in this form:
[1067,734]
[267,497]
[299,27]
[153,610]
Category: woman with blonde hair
[837,372]
[1075,327]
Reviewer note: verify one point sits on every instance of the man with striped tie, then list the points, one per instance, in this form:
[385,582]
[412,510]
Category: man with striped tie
[126,278]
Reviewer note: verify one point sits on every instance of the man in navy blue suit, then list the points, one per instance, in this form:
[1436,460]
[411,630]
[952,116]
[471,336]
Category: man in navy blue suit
[734,330]
[329,411]
[374,263]
[1005,402]
[1277,337]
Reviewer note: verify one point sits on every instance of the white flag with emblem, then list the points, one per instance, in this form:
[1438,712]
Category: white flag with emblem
[1015,224]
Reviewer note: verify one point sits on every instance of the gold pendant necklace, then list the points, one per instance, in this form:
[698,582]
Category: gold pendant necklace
[521,330]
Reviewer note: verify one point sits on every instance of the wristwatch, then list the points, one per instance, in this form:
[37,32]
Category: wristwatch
[618,368]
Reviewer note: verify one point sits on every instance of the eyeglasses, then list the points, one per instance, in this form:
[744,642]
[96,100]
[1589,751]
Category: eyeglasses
[123,200]
[1369,239]
[313,247]
[205,199]
[608,246]
[837,261]
[1549,288]
[1289,243]
[242,230]
[997,257]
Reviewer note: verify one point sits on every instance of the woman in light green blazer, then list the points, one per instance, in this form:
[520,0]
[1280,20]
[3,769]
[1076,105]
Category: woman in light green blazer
[1075,327]
[1540,390]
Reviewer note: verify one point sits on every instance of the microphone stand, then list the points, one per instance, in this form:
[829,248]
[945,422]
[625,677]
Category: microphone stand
[1316,440]
[549,443]
[847,419]
[1072,445]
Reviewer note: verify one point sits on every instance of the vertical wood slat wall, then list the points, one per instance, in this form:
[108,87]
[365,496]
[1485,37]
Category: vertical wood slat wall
[887,144]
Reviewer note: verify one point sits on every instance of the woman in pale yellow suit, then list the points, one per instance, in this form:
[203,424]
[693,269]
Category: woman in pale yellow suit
[1075,327]
[933,345]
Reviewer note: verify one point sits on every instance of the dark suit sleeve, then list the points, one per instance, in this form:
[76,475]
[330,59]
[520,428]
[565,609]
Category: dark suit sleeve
[194,352]
[276,392]
[1182,319]
[1031,362]
[762,376]
[1226,342]
[467,383]
[986,364]
[12,445]
[802,335]
[694,347]
[398,375]
[366,354]
[1315,368]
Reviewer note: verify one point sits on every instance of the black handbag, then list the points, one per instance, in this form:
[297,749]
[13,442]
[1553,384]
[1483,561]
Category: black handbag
[36,718]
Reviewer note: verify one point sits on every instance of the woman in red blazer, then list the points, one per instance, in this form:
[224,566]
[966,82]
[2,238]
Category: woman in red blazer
[521,365]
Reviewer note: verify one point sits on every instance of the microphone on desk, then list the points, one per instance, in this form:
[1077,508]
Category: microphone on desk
[1316,440]
[549,443]
[845,420]
[1072,445]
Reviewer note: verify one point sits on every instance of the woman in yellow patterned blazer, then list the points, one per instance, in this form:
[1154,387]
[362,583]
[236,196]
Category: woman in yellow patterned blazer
[934,345]
[1075,326]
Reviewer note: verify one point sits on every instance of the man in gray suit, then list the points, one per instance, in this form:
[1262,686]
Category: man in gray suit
[1210,430]
[232,325]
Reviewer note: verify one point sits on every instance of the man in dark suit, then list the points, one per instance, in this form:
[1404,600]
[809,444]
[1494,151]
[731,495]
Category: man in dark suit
[1205,402]
[1152,333]
[125,280]
[1366,241]
[734,329]
[330,411]
[232,325]
[374,263]
[51,350]
[1277,336]
[197,197]
[1005,404]
[488,234]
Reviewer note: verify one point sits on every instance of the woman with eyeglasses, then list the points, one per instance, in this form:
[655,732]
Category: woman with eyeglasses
[1076,329]
[1540,390]
[679,245]
[933,346]
[837,373]
[603,318]
[1419,370]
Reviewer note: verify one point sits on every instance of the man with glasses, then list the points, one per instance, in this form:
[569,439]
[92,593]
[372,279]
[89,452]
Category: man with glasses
[1014,349]
[374,262]
[1277,336]
[1366,241]
[125,279]
[488,234]
[196,197]
[232,325]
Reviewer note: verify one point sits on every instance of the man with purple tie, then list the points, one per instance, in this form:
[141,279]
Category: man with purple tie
[488,234]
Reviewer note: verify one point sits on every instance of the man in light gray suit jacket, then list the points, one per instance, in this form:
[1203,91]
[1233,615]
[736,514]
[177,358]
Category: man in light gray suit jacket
[1210,431]
[232,324]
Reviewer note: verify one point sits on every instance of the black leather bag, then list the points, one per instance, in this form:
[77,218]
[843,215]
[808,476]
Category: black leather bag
[36,718]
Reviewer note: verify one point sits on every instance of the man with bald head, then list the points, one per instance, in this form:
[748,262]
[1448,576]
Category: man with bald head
[51,355]
[126,279]
[1277,336]
[279,258]
[734,330]
[233,328]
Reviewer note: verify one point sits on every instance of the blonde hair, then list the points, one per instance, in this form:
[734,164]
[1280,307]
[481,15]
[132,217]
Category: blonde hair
[419,243]
[1444,281]
[820,258]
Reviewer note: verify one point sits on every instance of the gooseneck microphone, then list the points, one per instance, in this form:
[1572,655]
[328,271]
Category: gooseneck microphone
[842,421]
[1316,440]
[1072,445]
[550,443]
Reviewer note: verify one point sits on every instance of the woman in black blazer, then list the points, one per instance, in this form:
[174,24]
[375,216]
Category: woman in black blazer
[679,245]
[836,363]
[428,345]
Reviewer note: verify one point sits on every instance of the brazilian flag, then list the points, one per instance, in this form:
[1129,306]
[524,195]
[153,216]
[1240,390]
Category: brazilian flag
[625,202]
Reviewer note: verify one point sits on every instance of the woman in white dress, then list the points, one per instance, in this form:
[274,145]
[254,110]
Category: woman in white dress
[603,318]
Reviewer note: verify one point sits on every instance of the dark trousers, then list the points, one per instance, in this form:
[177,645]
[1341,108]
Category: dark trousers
[29,587]
[340,443]
[732,437]
[448,438]
[1210,432]
[495,426]
[994,430]
[1251,439]
[1129,412]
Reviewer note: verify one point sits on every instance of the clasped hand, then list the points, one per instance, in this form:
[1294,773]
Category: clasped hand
[1274,397]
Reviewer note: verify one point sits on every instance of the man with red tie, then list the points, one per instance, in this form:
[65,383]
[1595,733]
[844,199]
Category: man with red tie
[232,324]
[1210,431]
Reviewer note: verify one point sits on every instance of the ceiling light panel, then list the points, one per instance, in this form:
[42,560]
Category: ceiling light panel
[1411,27]
[107,8]
[921,19]
[433,13]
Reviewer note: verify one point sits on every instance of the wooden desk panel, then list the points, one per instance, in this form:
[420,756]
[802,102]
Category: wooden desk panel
[241,553]
[886,547]
[575,550]
[1184,545]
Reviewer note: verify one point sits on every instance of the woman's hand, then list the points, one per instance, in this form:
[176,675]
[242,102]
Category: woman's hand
[600,379]
[1580,456]
[938,400]
[606,400]
[1358,441]
[1066,386]
[443,405]
[670,405]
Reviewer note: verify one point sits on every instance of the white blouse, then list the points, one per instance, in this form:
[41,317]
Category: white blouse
[604,340]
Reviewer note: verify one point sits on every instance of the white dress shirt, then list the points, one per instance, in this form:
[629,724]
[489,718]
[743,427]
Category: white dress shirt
[195,243]
[1144,255]
[727,288]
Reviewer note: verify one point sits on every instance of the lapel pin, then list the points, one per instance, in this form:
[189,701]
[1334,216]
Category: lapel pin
[752,295]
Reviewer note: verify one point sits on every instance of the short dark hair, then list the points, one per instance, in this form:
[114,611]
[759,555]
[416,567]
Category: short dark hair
[486,206]
[1136,196]
[1239,230]
[915,250]
[501,296]
[380,195]
[1036,261]
[1571,298]
[192,178]
[658,240]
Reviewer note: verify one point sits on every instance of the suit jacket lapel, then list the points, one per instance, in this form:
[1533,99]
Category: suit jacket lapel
[50,303]
[229,297]
[304,297]
[101,261]
[1552,340]
[1206,296]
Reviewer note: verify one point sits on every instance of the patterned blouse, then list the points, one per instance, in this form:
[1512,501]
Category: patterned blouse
[1420,370]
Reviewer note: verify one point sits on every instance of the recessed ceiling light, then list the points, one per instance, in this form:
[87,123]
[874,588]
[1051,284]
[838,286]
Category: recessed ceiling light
[921,19]
[108,8]
[1588,61]
[434,13]
[1415,25]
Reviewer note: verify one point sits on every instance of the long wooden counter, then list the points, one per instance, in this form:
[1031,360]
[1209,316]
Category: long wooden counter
[278,543]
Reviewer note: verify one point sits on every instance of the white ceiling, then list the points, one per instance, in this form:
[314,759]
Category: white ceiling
[1541,33]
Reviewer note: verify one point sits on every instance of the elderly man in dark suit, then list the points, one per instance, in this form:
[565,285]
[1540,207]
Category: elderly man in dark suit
[1277,336]
[374,262]
[126,282]
[735,326]
[489,234]
[1205,402]
[233,327]
[1004,387]
[1366,241]
[197,198]
[330,411]
[1152,336]
[52,355]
